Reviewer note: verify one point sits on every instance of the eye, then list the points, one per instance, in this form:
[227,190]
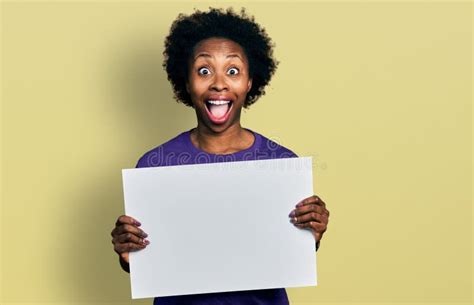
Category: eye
[204,71]
[233,71]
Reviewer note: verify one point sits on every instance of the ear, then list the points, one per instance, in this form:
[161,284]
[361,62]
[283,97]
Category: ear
[189,94]
[249,85]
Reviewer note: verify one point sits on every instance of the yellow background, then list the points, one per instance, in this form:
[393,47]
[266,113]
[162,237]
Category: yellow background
[379,93]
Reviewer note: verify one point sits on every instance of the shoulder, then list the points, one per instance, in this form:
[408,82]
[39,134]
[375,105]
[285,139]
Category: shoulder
[160,155]
[272,147]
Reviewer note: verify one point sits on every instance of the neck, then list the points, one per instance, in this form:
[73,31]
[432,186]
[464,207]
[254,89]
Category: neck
[231,140]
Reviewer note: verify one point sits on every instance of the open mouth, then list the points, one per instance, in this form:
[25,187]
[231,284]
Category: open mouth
[218,110]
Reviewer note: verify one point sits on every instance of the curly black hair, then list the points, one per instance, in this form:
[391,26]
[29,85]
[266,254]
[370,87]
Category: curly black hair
[187,31]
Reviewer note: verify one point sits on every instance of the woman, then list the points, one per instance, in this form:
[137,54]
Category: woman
[218,62]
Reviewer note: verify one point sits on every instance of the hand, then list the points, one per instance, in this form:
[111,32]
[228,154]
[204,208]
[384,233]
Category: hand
[126,237]
[311,213]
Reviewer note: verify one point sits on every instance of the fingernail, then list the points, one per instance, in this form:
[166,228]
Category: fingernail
[299,204]
[144,234]
[137,223]
[292,213]
[146,241]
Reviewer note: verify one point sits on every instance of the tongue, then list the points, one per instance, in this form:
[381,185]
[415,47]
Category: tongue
[218,111]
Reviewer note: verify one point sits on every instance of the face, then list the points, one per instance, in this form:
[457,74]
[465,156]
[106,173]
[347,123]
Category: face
[218,82]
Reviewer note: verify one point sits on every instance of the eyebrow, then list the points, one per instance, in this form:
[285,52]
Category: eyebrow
[203,54]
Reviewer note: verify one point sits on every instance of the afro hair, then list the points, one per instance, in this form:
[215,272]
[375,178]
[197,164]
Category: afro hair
[187,31]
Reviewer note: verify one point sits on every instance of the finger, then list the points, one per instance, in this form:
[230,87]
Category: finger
[308,209]
[315,227]
[312,216]
[128,247]
[129,237]
[124,219]
[312,199]
[128,229]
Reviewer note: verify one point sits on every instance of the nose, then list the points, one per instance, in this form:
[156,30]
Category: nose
[219,83]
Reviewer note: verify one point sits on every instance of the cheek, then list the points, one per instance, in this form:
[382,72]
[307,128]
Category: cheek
[196,88]
[242,87]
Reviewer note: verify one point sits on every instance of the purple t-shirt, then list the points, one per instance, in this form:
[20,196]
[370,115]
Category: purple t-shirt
[179,151]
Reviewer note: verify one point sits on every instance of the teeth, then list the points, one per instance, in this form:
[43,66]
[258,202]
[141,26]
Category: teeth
[218,102]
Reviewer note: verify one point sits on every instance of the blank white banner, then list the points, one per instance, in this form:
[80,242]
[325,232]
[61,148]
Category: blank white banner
[220,227]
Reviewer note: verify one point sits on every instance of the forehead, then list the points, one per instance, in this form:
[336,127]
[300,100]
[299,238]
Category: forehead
[218,46]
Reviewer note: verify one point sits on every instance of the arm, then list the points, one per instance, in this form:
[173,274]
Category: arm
[125,266]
